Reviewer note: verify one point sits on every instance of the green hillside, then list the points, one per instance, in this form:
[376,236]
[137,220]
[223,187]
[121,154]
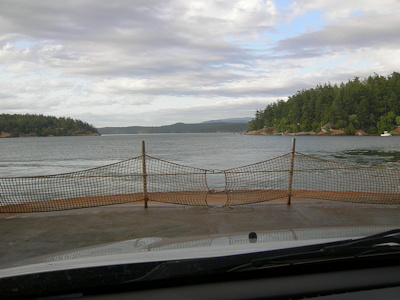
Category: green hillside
[371,105]
[39,125]
[177,128]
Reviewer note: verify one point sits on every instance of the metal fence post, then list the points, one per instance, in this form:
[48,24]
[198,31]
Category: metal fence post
[144,175]
[290,183]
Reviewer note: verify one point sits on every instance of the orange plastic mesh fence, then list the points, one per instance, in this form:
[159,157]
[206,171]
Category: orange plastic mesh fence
[329,180]
[154,179]
[263,181]
[173,183]
[312,178]
[112,184]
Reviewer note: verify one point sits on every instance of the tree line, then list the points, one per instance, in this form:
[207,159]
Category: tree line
[40,125]
[371,105]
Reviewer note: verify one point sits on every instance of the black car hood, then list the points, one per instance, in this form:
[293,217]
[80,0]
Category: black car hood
[152,249]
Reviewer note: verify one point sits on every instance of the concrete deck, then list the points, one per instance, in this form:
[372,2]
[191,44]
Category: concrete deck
[27,235]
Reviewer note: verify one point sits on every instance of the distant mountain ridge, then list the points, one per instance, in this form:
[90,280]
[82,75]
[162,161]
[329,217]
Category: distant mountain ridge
[230,120]
[225,125]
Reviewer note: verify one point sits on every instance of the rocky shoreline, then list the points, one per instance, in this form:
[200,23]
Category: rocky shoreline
[331,132]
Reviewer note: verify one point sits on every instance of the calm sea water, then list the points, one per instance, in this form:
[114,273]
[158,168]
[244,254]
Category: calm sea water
[54,155]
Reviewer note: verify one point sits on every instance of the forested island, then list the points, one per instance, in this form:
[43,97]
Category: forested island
[29,125]
[368,106]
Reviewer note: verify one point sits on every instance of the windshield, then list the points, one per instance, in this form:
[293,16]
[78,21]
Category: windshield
[164,130]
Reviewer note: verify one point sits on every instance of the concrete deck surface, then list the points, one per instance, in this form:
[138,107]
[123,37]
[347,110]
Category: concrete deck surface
[27,235]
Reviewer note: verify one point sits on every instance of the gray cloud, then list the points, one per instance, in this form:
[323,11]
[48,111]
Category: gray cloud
[366,31]
[125,62]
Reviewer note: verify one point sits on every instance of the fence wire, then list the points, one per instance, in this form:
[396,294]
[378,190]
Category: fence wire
[312,178]
[111,184]
[263,181]
[173,183]
[329,180]
[153,179]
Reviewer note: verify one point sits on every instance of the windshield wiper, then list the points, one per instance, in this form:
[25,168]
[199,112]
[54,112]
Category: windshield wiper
[382,243]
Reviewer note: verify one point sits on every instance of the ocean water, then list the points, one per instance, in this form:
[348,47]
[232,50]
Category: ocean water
[214,151]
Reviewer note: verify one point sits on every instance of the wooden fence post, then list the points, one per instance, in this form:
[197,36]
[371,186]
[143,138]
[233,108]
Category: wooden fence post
[290,183]
[144,175]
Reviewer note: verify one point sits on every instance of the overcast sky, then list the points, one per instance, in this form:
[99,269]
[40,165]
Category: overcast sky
[153,62]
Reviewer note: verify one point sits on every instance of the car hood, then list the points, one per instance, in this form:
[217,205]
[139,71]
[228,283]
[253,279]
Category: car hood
[153,249]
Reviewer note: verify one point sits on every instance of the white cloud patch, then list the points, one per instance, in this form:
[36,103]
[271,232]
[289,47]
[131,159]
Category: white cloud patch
[152,62]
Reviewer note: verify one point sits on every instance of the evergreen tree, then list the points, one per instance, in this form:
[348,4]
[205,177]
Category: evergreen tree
[372,105]
[41,125]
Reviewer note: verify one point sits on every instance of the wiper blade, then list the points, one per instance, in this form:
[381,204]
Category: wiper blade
[388,240]
[381,243]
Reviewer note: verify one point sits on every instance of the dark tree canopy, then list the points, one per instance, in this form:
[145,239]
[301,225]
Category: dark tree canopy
[27,124]
[371,105]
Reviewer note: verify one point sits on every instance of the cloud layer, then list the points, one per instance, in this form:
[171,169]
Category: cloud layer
[151,62]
